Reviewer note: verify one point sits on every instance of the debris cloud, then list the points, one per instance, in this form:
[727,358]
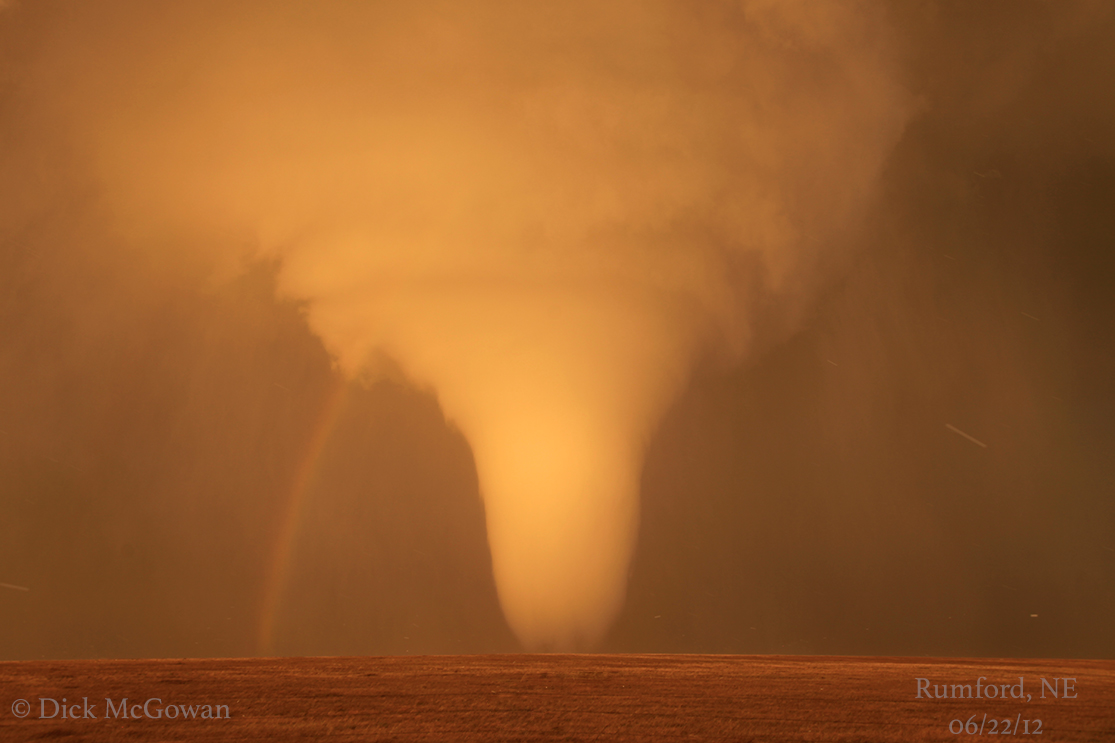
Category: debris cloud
[544,214]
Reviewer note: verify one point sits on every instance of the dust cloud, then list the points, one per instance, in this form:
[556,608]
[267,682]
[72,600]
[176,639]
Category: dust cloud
[247,245]
[542,215]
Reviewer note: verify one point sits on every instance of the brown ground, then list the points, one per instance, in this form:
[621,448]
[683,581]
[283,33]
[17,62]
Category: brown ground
[554,697]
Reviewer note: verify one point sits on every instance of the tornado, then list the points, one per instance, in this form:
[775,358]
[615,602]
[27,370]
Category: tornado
[557,391]
[544,214]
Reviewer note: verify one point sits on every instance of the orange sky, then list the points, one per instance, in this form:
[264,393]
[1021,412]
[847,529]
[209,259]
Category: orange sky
[335,328]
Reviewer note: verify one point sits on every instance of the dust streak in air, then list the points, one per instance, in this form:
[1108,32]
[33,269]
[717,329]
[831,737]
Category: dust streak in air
[970,438]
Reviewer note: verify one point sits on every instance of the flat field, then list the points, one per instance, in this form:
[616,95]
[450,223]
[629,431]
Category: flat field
[557,698]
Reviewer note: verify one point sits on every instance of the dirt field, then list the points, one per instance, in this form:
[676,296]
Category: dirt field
[554,697]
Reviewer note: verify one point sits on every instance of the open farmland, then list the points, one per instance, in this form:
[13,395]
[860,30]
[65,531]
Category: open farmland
[552,698]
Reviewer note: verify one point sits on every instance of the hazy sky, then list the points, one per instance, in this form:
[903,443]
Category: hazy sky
[817,294]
